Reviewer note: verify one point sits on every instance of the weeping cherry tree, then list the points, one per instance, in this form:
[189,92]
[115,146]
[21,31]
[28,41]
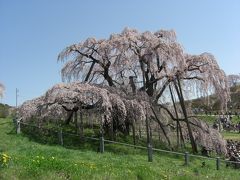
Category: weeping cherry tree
[133,73]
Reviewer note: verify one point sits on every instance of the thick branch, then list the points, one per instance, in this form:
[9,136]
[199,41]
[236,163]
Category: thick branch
[169,113]
[162,90]
[90,71]
[194,77]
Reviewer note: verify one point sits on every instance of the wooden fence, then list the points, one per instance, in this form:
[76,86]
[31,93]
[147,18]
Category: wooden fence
[148,148]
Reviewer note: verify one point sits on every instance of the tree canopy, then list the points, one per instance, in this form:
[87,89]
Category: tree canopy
[150,60]
[233,79]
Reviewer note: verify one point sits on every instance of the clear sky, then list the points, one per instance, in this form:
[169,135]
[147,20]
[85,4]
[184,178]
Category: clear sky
[33,32]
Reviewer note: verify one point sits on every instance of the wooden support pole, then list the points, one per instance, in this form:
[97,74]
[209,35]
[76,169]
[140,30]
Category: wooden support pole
[18,126]
[186,158]
[134,133]
[60,137]
[218,163]
[101,144]
[81,123]
[149,142]
[150,153]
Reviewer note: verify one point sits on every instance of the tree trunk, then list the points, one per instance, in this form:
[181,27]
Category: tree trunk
[179,129]
[76,122]
[81,123]
[112,129]
[127,125]
[140,132]
[91,119]
[181,98]
[134,134]
[147,130]
[106,74]
[159,136]
[150,133]
[150,86]
[143,74]
[69,117]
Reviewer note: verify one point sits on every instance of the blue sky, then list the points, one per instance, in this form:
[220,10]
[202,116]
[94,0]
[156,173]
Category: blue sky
[33,32]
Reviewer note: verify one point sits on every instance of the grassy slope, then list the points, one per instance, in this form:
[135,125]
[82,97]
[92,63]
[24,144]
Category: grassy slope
[32,160]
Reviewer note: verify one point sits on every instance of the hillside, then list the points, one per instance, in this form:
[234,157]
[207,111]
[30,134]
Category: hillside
[4,110]
[30,160]
[214,103]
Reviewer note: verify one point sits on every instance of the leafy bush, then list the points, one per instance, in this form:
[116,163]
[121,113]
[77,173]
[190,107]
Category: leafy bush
[4,110]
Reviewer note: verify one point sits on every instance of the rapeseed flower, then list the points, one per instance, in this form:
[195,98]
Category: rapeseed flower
[4,159]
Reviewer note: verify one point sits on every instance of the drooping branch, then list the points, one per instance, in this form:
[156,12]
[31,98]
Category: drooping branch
[170,113]
[178,88]
[161,126]
[179,128]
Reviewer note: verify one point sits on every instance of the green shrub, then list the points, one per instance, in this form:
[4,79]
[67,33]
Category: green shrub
[4,111]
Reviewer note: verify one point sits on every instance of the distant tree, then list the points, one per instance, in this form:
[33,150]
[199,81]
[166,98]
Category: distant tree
[2,89]
[4,110]
[233,79]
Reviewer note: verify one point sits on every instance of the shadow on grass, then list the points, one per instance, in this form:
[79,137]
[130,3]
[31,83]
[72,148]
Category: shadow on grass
[73,141]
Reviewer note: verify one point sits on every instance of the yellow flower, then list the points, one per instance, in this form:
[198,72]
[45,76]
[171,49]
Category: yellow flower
[4,155]
[53,157]
[165,176]
[4,160]
[43,157]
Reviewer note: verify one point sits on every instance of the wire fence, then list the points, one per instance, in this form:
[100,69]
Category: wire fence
[59,138]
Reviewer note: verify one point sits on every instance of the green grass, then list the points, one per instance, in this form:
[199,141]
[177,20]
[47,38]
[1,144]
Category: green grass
[31,160]
[231,135]
[211,119]
[208,119]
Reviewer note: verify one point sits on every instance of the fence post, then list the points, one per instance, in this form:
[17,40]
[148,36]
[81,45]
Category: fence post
[150,153]
[15,124]
[101,144]
[18,126]
[186,158]
[60,137]
[218,163]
